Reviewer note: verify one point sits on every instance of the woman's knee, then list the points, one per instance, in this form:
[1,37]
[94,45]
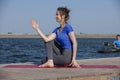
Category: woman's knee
[49,43]
[61,61]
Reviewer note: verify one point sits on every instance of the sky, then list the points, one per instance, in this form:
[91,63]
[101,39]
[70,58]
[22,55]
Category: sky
[86,16]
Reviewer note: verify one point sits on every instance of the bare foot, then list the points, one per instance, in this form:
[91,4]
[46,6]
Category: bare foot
[48,64]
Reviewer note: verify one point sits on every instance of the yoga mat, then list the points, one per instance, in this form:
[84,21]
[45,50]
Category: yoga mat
[81,66]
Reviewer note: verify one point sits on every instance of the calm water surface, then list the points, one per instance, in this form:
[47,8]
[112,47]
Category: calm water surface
[15,50]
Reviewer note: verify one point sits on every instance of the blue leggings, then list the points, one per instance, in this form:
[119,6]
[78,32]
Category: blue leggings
[56,53]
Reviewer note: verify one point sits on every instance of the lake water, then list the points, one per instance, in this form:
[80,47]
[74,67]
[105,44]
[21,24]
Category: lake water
[15,50]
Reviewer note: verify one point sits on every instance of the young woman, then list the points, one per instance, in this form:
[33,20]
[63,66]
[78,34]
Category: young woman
[61,45]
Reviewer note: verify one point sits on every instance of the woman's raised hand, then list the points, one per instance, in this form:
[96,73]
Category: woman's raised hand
[34,24]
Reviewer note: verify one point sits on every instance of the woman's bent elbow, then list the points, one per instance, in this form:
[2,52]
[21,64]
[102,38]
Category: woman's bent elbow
[46,40]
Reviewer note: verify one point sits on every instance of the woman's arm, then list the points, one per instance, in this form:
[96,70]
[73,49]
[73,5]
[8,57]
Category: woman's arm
[45,38]
[73,39]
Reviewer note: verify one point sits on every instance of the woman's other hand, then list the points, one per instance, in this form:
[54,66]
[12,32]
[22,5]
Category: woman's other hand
[74,64]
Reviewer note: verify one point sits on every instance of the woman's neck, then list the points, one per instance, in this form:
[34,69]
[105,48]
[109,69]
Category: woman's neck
[62,24]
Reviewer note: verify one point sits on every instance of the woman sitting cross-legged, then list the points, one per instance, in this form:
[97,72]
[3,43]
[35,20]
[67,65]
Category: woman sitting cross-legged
[61,45]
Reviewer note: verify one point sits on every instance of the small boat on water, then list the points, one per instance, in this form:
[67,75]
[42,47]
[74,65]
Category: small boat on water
[108,48]
[109,51]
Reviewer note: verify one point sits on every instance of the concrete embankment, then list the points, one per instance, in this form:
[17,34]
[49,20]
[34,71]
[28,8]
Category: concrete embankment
[77,35]
[83,73]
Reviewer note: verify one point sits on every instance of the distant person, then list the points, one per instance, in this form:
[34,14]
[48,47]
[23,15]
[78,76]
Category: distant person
[61,45]
[116,43]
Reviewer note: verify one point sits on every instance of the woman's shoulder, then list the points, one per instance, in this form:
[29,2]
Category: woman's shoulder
[55,30]
[68,25]
[68,28]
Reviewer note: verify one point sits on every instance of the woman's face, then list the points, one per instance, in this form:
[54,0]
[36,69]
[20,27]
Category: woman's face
[58,17]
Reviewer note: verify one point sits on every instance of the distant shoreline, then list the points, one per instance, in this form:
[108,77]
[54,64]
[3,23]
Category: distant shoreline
[77,35]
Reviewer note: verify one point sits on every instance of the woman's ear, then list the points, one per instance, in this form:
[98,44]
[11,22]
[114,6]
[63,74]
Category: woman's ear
[63,16]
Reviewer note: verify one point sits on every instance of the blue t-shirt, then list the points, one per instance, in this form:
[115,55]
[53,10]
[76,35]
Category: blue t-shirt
[117,43]
[63,37]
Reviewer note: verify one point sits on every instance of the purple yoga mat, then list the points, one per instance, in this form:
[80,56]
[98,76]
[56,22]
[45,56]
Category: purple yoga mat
[81,66]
